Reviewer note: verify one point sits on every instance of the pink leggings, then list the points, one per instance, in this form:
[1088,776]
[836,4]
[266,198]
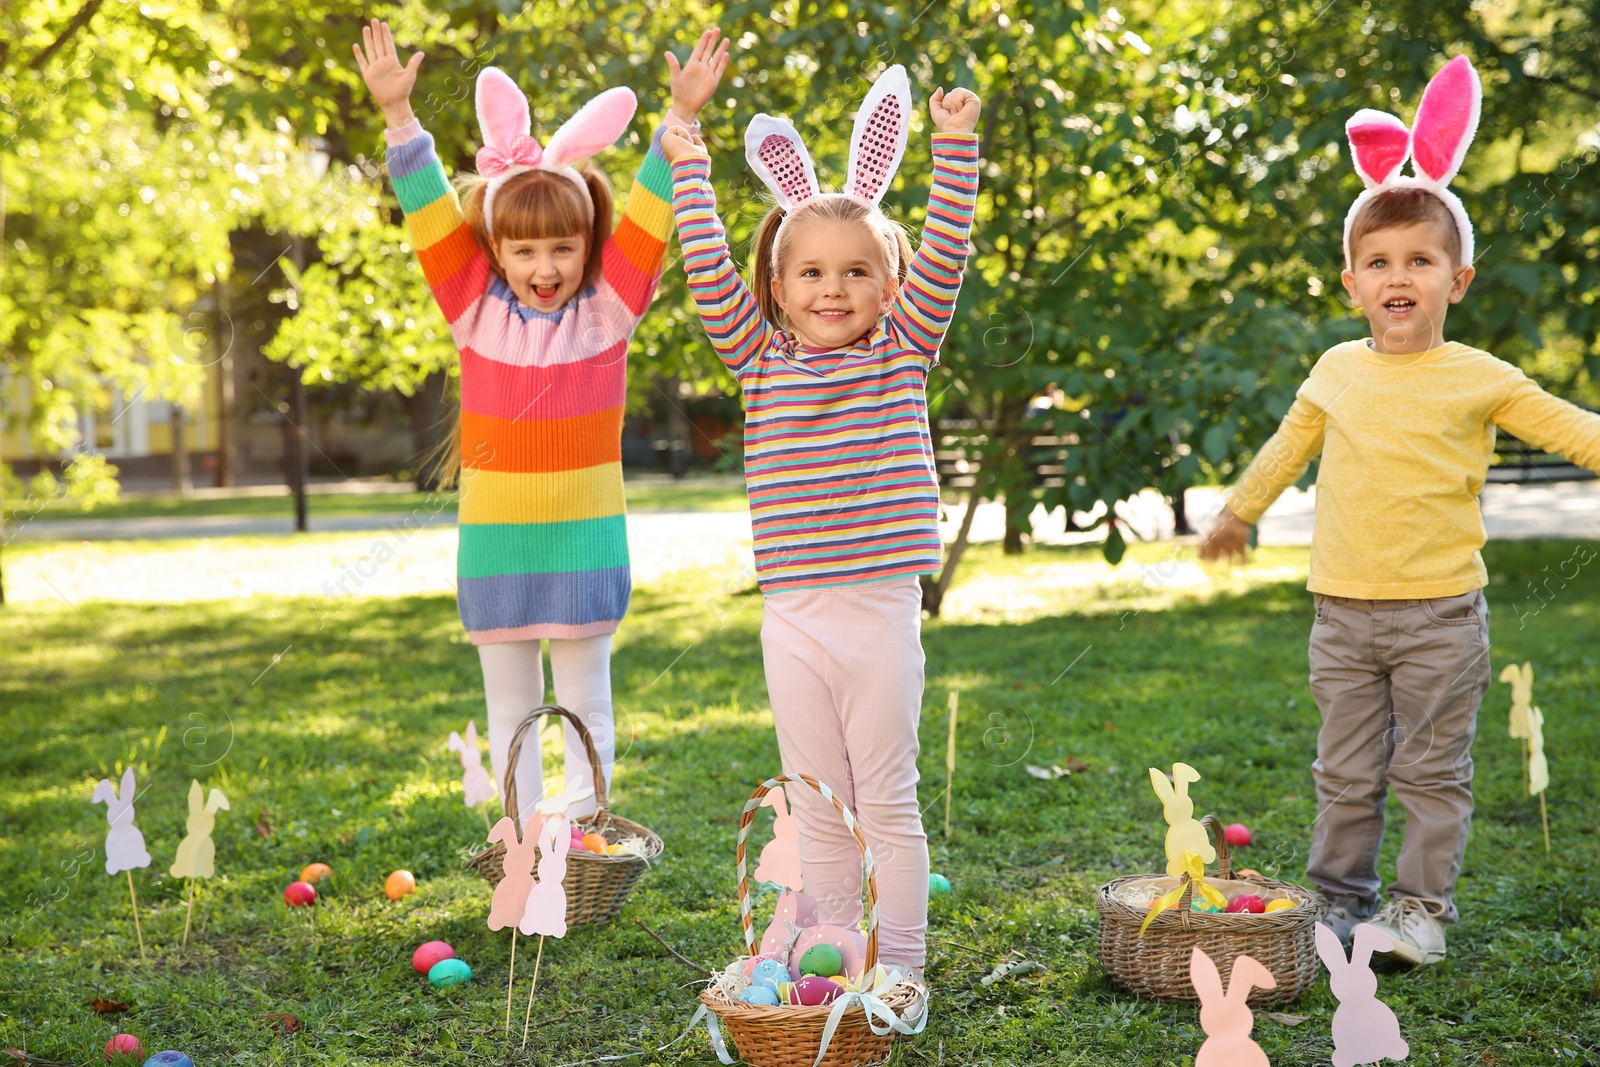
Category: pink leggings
[844,676]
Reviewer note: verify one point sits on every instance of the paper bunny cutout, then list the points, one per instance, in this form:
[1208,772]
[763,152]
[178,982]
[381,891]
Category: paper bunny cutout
[1521,679]
[796,911]
[476,785]
[509,147]
[877,144]
[1226,1017]
[851,944]
[196,852]
[1538,766]
[124,844]
[1364,1029]
[510,901]
[1436,143]
[780,857]
[546,909]
[1184,832]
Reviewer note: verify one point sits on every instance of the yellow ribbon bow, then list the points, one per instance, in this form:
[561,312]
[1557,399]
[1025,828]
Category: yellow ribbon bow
[1197,874]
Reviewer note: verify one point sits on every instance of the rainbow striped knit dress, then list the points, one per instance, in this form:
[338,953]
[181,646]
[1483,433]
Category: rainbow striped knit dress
[544,545]
[838,457]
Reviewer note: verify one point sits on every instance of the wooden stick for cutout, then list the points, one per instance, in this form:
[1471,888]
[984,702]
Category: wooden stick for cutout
[950,760]
[511,978]
[189,914]
[529,1013]
[1545,819]
[1524,764]
[136,928]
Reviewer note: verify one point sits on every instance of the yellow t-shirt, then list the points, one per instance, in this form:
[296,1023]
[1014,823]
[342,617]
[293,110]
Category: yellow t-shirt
[1406,443]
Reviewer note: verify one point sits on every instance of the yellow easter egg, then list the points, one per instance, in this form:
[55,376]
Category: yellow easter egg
[613,850]
[1281,904]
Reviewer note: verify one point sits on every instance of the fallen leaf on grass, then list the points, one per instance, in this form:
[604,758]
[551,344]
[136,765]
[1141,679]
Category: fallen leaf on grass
[1286,1019]
[106,1007]
[289,1023]
[1074,766]
[264,823]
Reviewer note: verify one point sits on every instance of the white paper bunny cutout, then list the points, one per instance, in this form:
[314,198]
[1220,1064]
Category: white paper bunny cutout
[877,144]
[546,910]
[196,852]
[476,785]
[780,857]
[1538,766]
[1184,831]
[509,147]
[1364,1029]
[1226,1017]
[1436,143]
[124,844]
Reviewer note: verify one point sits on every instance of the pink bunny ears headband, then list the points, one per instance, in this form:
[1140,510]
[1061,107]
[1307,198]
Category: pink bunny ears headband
[877,145]
[509,148]
[1446,119]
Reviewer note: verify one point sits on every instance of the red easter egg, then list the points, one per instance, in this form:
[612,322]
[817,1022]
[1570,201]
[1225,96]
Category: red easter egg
[816,990]
[429,953]
[1237,834]
[299,894]
[1246,902]
[124,1045]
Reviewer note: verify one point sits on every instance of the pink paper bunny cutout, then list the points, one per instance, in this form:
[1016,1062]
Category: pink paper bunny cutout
[1226,1017]
[124,844]
[510,901]
[1447,119]
[476,785]
[546,910]
[795,909]
[852,946]
[1365,1030]
[780,857]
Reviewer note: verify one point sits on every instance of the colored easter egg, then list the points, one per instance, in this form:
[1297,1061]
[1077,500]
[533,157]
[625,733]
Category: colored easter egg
[814,989]
[448,972]
[429,953]
[1281,904]
[760,994]
[594,842]
[1237,834]
[169,1058]
[851,946]
[1204,905]
[399,884]
[1246,902]
[299,894]
[315,872]
[822,960]
[769,973]
[123,1045]
[613,850]
[938,884]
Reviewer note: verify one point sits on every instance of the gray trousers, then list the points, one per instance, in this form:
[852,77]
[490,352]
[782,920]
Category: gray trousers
[1398,683]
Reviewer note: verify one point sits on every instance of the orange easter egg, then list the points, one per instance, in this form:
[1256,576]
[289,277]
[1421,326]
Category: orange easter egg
[315,872]
[594,842]
[399,884]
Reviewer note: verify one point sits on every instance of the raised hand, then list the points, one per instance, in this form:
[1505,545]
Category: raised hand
[956,113]
[389,82]
[694,82]
[679,141]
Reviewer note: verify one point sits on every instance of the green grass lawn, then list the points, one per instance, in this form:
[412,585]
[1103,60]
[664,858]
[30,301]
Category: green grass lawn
[331,731]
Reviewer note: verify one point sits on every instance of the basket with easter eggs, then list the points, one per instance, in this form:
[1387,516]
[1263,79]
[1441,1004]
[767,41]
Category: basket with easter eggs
[808,994]
[1150,924]
[608,852]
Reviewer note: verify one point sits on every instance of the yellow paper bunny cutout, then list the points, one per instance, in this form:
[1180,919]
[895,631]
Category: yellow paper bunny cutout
[1184,833]
[1538,766]
[1521,679]
[196,851]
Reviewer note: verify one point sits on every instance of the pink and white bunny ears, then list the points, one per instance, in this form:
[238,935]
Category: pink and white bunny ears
[509,148]
[877,145]
[1446,120]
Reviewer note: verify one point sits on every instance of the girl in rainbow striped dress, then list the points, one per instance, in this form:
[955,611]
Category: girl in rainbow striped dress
[832,352]
[542,298]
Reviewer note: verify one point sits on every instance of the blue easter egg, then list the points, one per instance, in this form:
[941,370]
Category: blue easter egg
[769,973]
[938,884]
[169,1058]
[760,994]
[448,972]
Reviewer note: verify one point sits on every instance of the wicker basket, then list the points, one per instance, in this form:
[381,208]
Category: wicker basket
[596,885]
[1156,964]
[790,1035]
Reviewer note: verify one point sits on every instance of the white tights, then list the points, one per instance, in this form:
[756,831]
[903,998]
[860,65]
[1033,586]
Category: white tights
[513,685]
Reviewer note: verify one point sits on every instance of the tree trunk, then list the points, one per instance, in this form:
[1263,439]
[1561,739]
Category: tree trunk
[227,449]
[934,588]
[429,427]
[181,481]
[1180,514]
[2,421]
[677,429]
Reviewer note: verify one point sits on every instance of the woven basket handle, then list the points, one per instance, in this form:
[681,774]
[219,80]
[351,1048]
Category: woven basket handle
[509,789]
[868,864]
[1224,861]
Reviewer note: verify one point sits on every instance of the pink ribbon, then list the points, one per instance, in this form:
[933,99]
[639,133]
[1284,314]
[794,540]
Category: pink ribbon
[523,152]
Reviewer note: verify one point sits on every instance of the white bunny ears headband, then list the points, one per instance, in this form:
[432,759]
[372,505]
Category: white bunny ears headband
[877,144]
[509,148]
[1446,120]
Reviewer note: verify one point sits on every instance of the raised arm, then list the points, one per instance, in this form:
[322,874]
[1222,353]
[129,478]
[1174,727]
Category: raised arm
[1548,422]
[921,312]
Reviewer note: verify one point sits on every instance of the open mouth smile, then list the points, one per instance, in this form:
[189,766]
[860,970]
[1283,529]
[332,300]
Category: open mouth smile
[1399,306]
[546,292]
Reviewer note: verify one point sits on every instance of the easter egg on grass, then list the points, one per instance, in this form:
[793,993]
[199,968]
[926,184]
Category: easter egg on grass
[429,953]
[1281,904]
[169,1058]
[1246,902]
[448,972]
[299,894]
[821,959]
[814,989]
[399,884]
[760,994]
[315,872]
[1236,834]
[124,1045]
[938,884]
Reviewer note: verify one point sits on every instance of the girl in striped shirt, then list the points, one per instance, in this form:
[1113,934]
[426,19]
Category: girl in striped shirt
[542,298]
[832,352]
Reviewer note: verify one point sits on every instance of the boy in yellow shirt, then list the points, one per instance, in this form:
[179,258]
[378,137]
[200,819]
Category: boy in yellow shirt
[1405,423]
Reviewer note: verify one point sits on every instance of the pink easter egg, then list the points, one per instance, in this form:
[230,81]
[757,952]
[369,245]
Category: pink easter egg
[124,1045]
[429,953]
[1237,834]
[816,990]
[1246,902]
[299,894]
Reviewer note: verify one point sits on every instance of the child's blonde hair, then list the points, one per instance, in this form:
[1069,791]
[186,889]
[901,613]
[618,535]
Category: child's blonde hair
[530,206]
[775,235]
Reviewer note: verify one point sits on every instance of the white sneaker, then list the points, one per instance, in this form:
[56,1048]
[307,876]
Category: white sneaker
[1417,933]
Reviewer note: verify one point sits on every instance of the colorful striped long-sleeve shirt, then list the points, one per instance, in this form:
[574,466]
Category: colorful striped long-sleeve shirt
[838,457]
[543,537]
